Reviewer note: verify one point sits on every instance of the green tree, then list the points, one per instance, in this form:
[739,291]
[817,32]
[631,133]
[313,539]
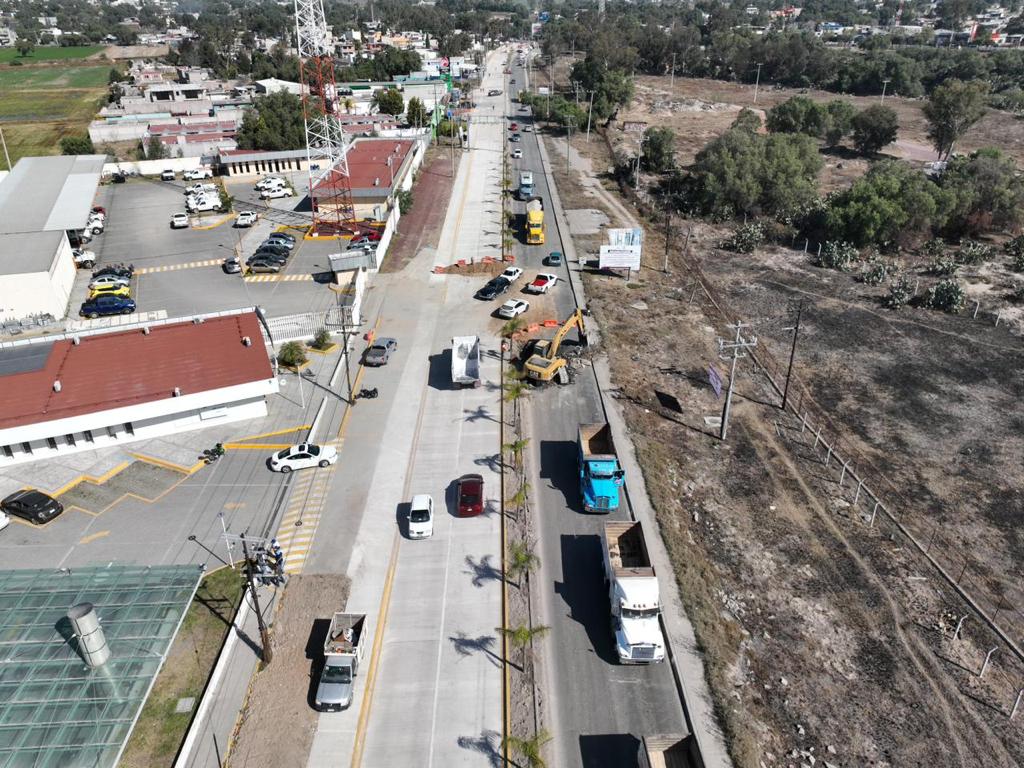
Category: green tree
[25,47]
[405,201]
[874,128]
[522,636]
[416,114]
[389,101]
[516,448]
[839,123]
[155,149]
[275,123]
[987,193]
[659,152]
[291,355]
[798,114]
[521,561]
[529,750]
[953,108]
[747,120]
[79,144]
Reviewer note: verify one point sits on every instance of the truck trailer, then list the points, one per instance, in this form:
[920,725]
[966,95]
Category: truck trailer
[466,361]
[634,595]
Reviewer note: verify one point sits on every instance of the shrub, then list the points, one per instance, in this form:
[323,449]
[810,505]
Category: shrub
[322,340]
[901,290]
[975,253]
[944,265]
[1015,248]
[947,295]
[934,248]
[291,355]
[877,272]
[405,201]
[837,254]
[746,238]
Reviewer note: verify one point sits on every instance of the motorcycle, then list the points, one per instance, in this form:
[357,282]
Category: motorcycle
[367,394]
[210,455]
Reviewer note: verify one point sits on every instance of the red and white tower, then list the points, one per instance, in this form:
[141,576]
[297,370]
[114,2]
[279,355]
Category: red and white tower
[326,142]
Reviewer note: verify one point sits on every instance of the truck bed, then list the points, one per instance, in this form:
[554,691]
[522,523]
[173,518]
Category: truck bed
[667,752]
[596,440]
[627,551]
[465,359]
[336,642]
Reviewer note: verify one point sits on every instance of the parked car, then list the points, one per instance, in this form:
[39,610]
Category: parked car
[246,219]
[269,181]
[117,270]
[232,265]
[553,259]
[527,129]
[83,259]
[198,189]
[514,137]
[32,505]
[110,290]
[107,305]
[363,241]
[278,248]
[517,154]
[512,274]
[263,265]
[275,193]
[421,517]
[493,289]
[380,351]
[494,92]
[99,209]
[167,175]
[513,307]
[276,242]
[202,203]
[179,221]
[195,174]
[103,280]
[303,456]
[513,127]
[281,236]
[277,258]
[542,282]
[118,178]
[469,493]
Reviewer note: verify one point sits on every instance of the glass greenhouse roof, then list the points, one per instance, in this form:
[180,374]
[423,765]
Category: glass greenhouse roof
[54,709]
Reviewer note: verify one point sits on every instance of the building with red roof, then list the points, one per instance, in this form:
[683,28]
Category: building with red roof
[110,386]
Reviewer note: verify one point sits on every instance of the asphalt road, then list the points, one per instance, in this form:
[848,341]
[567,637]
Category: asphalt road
[598,708]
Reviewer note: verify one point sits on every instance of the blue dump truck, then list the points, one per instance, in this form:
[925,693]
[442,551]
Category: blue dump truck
[601,477]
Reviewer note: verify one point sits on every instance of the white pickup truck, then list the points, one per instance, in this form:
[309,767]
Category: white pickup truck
[343,650]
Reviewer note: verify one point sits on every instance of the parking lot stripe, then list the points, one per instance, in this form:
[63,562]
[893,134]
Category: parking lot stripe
[175,267]
[93,537]
[275,433]
[276,278]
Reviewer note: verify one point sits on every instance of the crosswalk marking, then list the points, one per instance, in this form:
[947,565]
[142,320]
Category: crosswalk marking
[305,504]
[175,267]
[276,278]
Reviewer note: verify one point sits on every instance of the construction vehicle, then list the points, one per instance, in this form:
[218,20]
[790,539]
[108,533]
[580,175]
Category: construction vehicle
[601,475]
[535,221]
[543,363]
[634,595]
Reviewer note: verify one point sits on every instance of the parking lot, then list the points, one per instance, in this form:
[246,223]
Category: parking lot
[179,271]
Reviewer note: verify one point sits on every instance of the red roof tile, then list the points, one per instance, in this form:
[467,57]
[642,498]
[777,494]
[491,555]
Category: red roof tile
[123,368]
[367,160]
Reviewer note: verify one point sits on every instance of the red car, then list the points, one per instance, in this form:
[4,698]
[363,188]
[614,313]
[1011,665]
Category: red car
[513,127]
[470,492]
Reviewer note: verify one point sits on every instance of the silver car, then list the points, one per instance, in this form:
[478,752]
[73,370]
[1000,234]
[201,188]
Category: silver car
[380,351]
[335,689]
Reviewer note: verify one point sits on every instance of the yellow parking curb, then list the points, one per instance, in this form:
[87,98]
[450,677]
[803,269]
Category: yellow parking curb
[276,432]
[325,351]
[97,480]
[225,220]
[256,446]
[170,464]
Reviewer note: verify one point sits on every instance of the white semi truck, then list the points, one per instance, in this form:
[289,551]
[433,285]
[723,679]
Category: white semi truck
[634,595]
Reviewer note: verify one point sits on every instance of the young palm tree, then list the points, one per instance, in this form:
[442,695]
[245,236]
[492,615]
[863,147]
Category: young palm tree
[529,749]
[518,499]
[516,448]
[521,561]
[521,637]
[512,326]
[515,390]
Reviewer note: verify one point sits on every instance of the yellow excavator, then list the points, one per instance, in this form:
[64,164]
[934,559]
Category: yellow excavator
[544,364]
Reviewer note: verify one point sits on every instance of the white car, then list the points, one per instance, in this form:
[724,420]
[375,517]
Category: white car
[527,129]
[275,192]
[4,520]
[517,154]
[179,221]
[84,259]
[513,307]
[104,280]
[202,203]
[198,189]
[421,517]
[512,274]
[302,456]
[269,181]
[197,173]
[246,219]
[542,282]
[167,175]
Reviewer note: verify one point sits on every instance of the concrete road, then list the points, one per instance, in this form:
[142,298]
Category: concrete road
[598,709]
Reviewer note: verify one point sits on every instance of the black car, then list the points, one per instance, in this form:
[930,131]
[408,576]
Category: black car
[277,258]
[117,270]
[119,178]
[282,236]
[274,248]
[493,289]
[34,506]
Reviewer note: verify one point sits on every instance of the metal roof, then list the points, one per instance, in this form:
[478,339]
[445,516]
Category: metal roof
[56,710]
[45,194]
[28,252]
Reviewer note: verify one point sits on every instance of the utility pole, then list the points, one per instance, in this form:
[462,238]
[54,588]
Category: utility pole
[884,83]
[792,352]
[733,350]
[590,111]
[757,82]
[668,237]
[344,351]
[672,79]
[268,651]
[568,136]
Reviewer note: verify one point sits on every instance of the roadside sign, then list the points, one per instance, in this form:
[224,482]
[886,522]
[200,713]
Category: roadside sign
[543,90]
[715,380]
[635,126]
[633,236]
[620,257]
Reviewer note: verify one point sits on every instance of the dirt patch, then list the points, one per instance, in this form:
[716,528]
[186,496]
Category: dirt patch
[140,479]
[161,727]
[421,227]
[115,52]
[821,632]
[278,723]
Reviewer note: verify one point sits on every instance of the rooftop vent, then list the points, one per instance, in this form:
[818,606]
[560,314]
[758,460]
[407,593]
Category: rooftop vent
[92,643]
[56,386]
[145,330]
[177,391]
[198,320]
[76,340]
[246,341]
[376,182]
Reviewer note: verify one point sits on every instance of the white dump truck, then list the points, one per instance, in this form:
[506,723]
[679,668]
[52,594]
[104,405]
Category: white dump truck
[633,592]
[466,361]
[343,651]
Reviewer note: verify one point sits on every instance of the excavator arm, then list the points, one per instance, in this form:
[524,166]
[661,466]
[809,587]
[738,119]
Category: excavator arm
[574,321]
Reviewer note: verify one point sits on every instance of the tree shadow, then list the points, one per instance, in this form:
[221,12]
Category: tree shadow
[492,462]
[481,412]
[486,744]
[482,570]
[466,646]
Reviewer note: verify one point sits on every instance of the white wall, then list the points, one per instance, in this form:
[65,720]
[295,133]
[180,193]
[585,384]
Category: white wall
[153,167]
[39,292]
[62,277]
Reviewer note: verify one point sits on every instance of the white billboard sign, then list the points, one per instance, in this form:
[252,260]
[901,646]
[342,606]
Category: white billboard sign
[625,236]
[620,257]
[543,90]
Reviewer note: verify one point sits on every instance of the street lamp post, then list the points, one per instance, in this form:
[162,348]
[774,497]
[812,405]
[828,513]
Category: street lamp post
[757,82]
[884,84]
